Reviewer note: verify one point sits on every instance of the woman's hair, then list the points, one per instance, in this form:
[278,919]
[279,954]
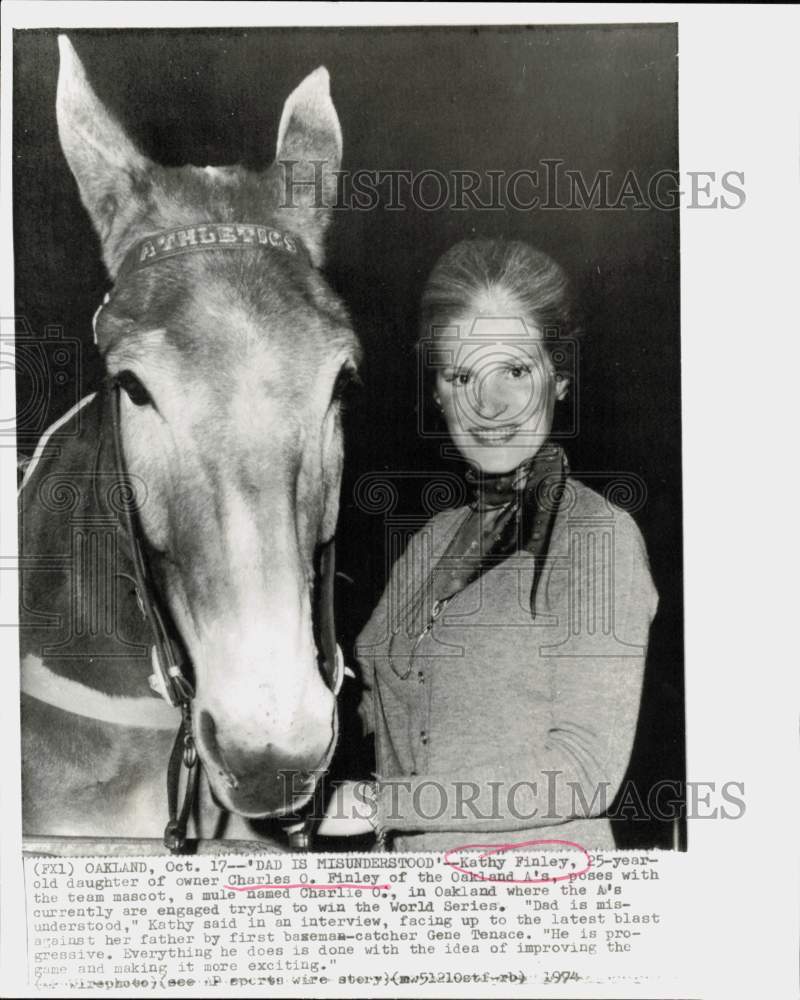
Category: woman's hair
[508,276]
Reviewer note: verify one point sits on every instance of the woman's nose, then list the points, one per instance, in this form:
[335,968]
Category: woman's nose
[490,399]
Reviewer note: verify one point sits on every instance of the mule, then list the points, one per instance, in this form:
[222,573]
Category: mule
[226,354]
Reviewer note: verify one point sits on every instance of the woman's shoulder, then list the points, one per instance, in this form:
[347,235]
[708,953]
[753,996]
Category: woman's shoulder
[605,522]
[588,508]
[615,501]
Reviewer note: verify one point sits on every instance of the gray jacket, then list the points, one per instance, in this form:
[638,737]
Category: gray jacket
[509,723]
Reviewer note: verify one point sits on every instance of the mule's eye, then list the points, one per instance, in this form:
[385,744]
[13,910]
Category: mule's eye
[347,381]
[134,389]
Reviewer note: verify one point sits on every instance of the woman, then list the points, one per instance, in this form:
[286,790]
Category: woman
[503,665]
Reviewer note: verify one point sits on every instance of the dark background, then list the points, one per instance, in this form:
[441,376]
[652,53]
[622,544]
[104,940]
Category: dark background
[598,98]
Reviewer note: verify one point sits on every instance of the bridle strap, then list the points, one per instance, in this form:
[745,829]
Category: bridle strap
[204,236]
[184,754]
[331,654]
[169,680]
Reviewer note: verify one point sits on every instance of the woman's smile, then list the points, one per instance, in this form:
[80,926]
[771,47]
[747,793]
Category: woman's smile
[494,435]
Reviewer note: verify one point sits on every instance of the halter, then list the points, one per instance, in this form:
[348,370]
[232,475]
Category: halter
[168,678]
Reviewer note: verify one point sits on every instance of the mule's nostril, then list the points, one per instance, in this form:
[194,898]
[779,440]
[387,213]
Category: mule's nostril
[208,738]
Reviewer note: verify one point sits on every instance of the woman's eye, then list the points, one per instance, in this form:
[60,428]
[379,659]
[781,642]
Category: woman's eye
[519,371]
[134,389]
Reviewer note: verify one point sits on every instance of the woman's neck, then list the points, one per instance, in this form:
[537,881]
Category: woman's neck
[495,489]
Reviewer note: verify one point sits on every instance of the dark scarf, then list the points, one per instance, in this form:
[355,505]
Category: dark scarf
[509,513]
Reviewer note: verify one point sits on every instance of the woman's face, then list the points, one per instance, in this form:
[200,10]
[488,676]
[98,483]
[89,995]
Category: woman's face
[496,388]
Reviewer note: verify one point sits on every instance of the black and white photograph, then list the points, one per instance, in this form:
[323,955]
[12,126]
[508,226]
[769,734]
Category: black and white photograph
[349,432]
[461,361]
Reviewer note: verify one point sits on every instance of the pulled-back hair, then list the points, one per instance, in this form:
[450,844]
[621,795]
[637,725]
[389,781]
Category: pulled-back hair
[516,278]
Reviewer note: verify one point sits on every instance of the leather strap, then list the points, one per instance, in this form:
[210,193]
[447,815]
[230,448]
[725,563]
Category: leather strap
[184,755]
[203,236]
[168,677]
[332,663]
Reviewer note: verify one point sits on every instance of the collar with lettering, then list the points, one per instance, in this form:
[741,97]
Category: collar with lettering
[206,236]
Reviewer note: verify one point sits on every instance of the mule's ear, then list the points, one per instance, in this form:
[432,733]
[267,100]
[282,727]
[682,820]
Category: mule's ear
[308,157]
[110,171]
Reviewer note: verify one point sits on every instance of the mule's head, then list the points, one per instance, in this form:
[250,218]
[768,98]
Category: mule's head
[232,362]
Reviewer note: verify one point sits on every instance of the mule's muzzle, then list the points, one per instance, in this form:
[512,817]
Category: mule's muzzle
[258,782]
